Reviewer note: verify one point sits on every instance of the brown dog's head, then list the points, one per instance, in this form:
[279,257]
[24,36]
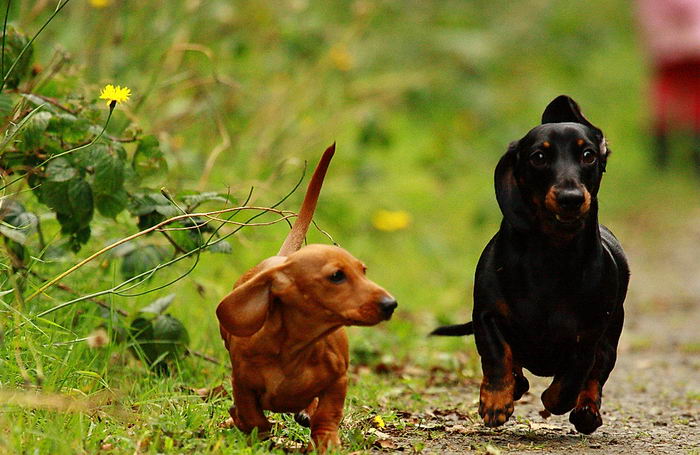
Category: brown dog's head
[549,179]
[324,282]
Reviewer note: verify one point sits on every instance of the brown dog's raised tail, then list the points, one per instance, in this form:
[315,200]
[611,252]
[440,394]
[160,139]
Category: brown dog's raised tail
[296,236]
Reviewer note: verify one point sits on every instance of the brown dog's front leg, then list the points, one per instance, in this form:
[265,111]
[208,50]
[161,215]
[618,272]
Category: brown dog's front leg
[247,413]
[498,383]
[326,420]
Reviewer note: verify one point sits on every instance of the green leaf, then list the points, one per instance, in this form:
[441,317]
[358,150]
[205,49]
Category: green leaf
[33,133]
[60,170]
[7,105]
[81,202]
[192,200]
[55,195]
[222,247]
[14,43]
[69,128]
[159,305]
[14,214]
[111,204]
[162,339]
[148,159]
[171,335]
[109,173]
[142,331]
[142,260]
[13,233]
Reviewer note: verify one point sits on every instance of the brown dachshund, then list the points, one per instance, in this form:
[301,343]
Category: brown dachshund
[283,327]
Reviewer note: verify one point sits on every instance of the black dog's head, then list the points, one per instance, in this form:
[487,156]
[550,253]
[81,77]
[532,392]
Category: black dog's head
[549,179]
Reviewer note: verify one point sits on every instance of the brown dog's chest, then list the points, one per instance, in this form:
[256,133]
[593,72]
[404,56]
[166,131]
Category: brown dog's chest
[290,386]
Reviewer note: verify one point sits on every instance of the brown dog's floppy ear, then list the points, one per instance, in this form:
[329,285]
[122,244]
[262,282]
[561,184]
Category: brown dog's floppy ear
[508,193]
[244,310]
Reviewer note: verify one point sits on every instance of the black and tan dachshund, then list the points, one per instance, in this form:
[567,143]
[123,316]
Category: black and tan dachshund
[550,285]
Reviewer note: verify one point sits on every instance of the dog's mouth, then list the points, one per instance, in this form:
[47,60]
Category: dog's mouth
[568,219]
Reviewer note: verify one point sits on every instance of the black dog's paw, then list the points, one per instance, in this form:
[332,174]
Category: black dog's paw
[556,401]
[303,419]
[586,419]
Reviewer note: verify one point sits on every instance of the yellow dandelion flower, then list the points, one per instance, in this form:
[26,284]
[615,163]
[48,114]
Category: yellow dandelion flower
[390,221]
[341,58]
[114,94]
[100,3]
[378,422]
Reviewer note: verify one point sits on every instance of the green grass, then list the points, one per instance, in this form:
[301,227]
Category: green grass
[422,99]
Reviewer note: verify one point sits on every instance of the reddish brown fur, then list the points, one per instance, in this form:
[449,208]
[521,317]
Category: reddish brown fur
[283,326]
[496,395]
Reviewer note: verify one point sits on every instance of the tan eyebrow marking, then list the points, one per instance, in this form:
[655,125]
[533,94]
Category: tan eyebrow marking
[580,142]
[545,144]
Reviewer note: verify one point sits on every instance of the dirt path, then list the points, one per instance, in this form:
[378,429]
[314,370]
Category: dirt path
[651,403]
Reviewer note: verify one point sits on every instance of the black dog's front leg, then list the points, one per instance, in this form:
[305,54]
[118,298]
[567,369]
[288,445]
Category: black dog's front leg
[498,383]
[560,397]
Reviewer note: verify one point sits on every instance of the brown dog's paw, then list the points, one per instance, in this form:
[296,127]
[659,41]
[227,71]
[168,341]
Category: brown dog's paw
[323,441]
[496,406]
[586,418]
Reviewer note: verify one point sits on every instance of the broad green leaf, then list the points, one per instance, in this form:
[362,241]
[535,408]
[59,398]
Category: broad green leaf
[159,305]
[171,335]
[14,43]
[14,214]
[195,199]
[69,128]
[109,173]
[7,105]
[13,233]
[111,204]
[60,170]
[222,247]
[141,330]
[55,195]
[142,260]
[80,198]
[33,133]
[148,159]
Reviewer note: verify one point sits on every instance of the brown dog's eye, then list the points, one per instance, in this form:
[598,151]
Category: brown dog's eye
[588,157]
[337,277]
[538,159]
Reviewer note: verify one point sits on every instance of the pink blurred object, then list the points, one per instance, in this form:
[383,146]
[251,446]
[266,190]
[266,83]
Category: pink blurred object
[672,33]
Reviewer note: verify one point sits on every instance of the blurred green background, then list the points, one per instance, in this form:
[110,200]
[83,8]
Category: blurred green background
[422,99]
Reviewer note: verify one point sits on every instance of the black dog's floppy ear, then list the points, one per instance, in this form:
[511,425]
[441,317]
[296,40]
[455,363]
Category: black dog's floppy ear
[564,109]
[508,193]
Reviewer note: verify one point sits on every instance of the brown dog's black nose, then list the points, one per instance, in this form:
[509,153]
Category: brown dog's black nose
[387,305]
[570,198]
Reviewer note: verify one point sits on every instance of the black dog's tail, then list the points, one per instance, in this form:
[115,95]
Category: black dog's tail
[455,330]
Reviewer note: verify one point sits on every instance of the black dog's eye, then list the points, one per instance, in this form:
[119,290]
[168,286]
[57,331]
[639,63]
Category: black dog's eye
[588,157]
[337,277]
[538,159]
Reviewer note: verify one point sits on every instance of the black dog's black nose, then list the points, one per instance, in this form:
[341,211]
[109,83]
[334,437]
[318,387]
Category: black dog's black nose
[570,198]
[388,305]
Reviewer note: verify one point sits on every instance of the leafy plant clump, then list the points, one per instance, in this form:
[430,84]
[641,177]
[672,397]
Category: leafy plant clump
[68,163]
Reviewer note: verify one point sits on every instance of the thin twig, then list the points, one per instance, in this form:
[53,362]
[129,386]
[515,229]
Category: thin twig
[132,237]
[72,291]
[201,355]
